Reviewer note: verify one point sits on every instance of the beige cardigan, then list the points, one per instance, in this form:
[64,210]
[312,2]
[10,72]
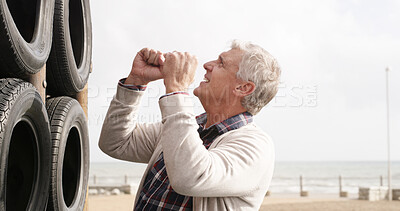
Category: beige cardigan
[233,174]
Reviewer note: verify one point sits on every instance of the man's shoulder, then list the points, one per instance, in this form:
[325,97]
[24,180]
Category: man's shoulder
[252,129]
[251,140]
[250,132]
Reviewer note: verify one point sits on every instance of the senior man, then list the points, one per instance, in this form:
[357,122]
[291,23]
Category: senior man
[219,160]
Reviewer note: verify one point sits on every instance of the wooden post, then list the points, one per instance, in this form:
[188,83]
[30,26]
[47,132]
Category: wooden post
[302,193]
[381,180]
[82,98]
[38,80]
[301,184]
[341,192]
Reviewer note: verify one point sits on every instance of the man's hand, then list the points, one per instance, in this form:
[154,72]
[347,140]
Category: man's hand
[178,71]
[146,67]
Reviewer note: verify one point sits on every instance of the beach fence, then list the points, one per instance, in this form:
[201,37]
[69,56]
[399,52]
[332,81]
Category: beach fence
[365,188]
[117,180]
[113,185]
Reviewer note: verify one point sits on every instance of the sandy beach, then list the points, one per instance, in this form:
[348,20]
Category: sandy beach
[325,203]
[271,203]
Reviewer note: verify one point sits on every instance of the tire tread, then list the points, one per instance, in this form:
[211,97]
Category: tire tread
[57,109]
[11,90]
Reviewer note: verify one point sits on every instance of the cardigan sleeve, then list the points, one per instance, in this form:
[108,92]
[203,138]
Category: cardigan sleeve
[235,167]
[122,137]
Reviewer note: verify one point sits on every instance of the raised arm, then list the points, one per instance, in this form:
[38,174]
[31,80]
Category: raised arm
[121,136]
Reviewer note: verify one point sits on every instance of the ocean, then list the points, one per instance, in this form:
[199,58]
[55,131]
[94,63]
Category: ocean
[319,177]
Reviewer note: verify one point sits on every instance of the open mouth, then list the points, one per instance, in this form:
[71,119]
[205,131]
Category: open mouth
[206,80]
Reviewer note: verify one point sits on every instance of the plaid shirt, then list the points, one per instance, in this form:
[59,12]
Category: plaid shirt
[157,193]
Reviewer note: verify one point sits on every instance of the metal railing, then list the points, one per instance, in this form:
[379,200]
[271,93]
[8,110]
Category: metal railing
[340,183]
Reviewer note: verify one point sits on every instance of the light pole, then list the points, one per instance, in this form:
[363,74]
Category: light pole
[388,136]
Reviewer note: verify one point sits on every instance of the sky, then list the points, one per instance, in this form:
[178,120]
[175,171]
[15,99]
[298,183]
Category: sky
[331,105]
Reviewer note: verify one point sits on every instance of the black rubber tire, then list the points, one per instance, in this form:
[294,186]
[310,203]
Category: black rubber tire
[25,148]
[70,168]
[69,63]
[25,36]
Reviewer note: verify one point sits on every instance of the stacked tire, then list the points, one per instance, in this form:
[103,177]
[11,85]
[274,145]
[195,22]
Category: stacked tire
[44,146]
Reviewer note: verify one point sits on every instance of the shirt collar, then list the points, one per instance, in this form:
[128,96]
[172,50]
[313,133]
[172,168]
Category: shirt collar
[226,125]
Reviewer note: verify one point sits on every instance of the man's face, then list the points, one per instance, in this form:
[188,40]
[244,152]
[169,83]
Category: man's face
[220,79]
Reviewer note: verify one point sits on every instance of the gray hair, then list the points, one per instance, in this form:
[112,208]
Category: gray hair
[261,68]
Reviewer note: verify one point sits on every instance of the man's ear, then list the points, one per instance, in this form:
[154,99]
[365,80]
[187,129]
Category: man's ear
[244,89]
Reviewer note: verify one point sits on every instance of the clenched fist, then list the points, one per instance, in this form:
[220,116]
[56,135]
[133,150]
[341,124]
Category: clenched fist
[146,67]
[178,71]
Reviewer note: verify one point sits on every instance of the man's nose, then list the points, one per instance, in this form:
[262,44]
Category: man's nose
[208,66]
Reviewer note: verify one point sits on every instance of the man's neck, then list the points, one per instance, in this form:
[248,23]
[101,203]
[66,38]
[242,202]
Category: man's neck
[217,115]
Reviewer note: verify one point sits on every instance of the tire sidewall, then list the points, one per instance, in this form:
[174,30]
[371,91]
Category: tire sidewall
[79,74]
[75,118]
[32,55]
[30,109]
